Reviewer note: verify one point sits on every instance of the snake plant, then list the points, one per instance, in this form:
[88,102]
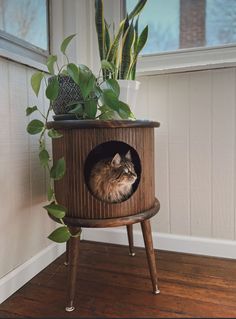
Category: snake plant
[119,51]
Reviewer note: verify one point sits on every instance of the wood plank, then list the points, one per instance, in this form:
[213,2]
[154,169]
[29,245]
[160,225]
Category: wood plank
[112,284]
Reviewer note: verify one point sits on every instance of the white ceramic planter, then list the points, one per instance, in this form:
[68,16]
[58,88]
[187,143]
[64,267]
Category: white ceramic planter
[129,92]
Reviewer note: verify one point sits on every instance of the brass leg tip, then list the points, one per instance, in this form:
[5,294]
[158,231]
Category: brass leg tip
[132,254]
[70,309]
[156,291]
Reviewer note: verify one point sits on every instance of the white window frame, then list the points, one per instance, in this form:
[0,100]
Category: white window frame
[184,59]
[21,51]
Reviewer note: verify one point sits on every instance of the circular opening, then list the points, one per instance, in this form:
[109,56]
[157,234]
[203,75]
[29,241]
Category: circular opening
[112,171]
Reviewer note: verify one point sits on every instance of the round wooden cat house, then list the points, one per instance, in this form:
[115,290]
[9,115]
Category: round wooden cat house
[85,143]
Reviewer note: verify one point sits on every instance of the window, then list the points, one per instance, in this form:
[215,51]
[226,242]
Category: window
[24,25]
[184,24]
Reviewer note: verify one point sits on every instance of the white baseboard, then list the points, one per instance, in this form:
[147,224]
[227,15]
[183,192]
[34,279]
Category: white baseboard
[178,243]
[22,274]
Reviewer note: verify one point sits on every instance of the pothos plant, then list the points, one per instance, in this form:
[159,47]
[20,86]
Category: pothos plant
[99,100]
[119,50]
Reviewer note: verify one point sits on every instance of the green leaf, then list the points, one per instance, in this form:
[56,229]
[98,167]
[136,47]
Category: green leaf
[107,39]
[52,89]
[36,80]
[35,127]
[100,27]
[50,193]
[124,110]
[55,210]
[50,63]
[58,169]
[128,41]
[66,42]
[106,65]
[90,108]
[86,81]
[44,157]
[31,109]
[60,235]
[137,9]
[77,109]
[54,133]
[113,85]
[73,71]
[110,99]
[115,44]
[142,40]
[106,113]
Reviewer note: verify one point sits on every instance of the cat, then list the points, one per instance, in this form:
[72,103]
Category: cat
[111,179]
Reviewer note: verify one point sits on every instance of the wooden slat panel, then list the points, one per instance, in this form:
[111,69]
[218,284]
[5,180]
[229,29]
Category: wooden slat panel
[223,160]
[200,153]
[179,153]
[72,191]
[158,110]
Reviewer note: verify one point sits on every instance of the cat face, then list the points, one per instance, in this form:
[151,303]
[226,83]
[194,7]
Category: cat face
[122,169]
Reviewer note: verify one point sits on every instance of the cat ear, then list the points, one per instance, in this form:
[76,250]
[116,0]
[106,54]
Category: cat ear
[128,156]
[116,160]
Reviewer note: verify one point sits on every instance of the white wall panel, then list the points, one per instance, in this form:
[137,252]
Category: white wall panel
[200,153]
[178,123]
[195,151]
[223,117]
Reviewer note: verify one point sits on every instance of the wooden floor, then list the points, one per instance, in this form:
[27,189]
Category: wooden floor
[113,284]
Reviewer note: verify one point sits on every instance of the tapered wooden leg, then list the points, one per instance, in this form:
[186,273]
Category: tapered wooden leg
[147,236]
[66,263]
[130,239]
[73,253]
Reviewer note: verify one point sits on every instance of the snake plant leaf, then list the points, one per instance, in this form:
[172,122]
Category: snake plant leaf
[52,89]
[36,80]
[60,235]
[30,109]
[115,44]
[107,39]
[50,63]
[58,169]
[73,71]
[137,9]
[128,41]
[55,210]
[35,127]
[100,27]
[66,42]
[44,157]
[142,40]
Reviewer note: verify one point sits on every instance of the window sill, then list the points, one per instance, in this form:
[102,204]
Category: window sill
[187,60]
[22,60]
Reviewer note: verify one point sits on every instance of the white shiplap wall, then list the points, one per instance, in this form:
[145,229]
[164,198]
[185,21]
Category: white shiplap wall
[195,150]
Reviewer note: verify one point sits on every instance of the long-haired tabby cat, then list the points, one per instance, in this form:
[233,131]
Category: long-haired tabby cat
[111,179]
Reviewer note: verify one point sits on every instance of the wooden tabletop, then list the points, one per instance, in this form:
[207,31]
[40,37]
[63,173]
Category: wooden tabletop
[69,124]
